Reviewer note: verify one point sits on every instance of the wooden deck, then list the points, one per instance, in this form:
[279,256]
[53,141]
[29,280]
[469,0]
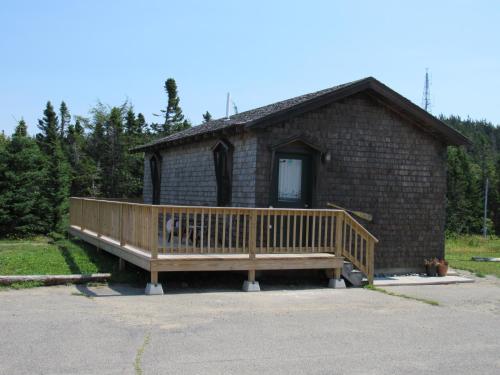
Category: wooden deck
[185,238]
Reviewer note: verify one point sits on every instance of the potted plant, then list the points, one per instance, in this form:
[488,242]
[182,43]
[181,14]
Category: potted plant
[431,266]
[442,268]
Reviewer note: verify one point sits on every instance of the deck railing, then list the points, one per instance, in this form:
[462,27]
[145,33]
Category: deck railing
[170,229]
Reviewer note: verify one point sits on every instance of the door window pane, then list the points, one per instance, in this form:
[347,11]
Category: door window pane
[289,179]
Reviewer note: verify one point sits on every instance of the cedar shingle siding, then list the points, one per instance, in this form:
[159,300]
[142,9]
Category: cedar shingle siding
[380,164]
[390,163]
[188,173]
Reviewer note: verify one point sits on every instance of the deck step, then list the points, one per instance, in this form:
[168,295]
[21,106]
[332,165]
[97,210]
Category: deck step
[352,275]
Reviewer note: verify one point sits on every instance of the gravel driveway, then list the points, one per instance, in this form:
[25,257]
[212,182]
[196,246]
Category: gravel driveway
[118,330]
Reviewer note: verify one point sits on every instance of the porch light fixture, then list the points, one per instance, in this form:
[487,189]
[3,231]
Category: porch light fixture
[326,157]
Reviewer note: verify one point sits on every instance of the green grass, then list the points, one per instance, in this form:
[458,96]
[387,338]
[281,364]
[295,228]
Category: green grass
[381,290]
[460,250]
[139,354]
[41,256]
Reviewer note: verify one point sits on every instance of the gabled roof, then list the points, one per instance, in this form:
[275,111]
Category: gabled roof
[273,113]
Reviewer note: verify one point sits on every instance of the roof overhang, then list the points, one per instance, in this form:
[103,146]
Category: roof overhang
[370,86]
[382,94]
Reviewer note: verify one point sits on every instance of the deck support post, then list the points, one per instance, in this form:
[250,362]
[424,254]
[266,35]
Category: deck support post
[337,273]
[154,288]
[154,277]
[251,275]
[251,285]
[121,264]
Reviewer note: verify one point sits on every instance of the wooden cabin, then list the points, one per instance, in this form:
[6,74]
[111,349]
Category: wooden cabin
[259,182]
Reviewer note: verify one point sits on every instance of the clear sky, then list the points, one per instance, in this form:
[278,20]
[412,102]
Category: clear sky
[260,51]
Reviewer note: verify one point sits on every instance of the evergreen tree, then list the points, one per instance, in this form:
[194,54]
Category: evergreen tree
[207,117]
[131,123]
[23,205]
[463,194]
[56,188]
[142,126]
[65,119]
[174,118]
[133,163]
[113,167]
[21,129]
[468,170]
[97,145]
[49,129]
[83,168]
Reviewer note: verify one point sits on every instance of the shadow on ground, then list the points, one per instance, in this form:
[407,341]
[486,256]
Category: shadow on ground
[214,282]
[103,262]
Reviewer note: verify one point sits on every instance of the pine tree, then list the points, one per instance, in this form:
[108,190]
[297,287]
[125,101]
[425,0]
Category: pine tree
[464,208]
[23,205]
[142,126]
[97,145]
[131,123]
[83,168]
[56,188]
[174,118]
[133,164]
[65,119]
[207,117]
[48,127]
[467,174]
[113,166]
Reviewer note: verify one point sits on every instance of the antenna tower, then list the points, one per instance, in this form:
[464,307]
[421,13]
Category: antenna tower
[426,97]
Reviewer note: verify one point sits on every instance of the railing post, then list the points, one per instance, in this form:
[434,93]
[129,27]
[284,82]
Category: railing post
[82,227]
[339,226]
[120,222]
[154,233]
[252,240]
[252,243]
[251,285]
[371,261]
[98,219]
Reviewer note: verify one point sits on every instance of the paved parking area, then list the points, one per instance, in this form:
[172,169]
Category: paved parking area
[118,330]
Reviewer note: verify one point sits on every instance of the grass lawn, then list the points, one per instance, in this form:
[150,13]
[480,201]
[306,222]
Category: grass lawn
[41,256]
[460,250]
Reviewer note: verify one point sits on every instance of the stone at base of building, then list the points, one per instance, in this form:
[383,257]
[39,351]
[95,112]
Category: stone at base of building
[154,289]
[336,283]
[251,286]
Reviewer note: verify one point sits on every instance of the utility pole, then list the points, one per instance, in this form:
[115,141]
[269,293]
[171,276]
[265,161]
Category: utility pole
[426,96]
[485,230]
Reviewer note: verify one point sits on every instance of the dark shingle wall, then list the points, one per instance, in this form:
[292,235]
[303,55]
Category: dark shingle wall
[380,164]
[188,173]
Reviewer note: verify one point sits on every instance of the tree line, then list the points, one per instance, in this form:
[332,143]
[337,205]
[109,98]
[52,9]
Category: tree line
[89,156]
[468,170]
[76,156]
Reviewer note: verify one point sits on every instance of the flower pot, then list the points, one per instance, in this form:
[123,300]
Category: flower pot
[431,269]
[442,270]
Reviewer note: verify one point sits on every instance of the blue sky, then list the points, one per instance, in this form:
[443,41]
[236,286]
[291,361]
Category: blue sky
[260,51]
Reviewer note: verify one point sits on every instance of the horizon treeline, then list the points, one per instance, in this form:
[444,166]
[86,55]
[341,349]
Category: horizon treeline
[89,156]
[75,156]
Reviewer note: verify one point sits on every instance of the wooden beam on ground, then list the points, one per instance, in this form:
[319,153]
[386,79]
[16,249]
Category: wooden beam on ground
[55,279]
